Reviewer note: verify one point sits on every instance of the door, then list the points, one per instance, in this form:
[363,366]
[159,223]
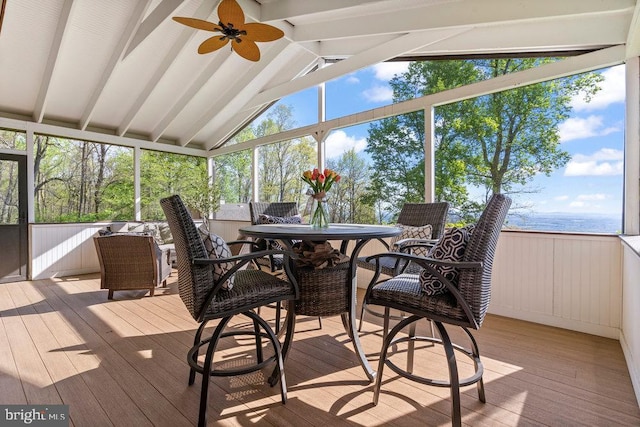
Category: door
[14,248]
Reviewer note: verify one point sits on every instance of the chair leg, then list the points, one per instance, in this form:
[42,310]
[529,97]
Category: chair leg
[476,365]
[278,314]
[206,370]
[110,295]
[456,416]
[411,347]
[286,345]
[362,310]
[319,322]
[256,329]
[386,343]
[196,341]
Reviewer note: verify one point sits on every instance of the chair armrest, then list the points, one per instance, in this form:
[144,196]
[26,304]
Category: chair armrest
[423,261]
[242,259]
[410,242]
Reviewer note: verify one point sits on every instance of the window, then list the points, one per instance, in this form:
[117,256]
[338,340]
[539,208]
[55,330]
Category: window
[280,167]
[233,174]
[81,181]
[13,140]
[164,174]
[556,147]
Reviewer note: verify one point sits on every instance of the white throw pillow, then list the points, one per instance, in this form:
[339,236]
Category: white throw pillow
[409,232]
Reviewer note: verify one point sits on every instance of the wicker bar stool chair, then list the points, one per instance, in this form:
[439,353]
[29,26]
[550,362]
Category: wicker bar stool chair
[279,209]
[459,300]
[411,215]
[204,287]
[274,262]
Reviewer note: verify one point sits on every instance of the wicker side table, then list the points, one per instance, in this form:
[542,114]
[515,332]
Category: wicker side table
[323,292]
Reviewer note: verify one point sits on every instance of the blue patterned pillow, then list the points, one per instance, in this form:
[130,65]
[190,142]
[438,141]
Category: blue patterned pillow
[217,248]
[269,219]
[450,247]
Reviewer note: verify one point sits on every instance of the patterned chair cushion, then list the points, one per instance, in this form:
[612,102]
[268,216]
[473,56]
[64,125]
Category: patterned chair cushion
[450,248]
[408,232]
[217,248]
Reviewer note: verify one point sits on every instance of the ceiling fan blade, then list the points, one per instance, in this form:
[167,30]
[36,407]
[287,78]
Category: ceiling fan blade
[197,23]
[247,49]
[262,32]
[211,44]
[229,11]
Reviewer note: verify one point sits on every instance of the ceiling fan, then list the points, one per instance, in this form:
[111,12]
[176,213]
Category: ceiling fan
[231,26]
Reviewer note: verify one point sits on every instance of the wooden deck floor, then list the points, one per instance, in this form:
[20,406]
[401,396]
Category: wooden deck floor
[122,362]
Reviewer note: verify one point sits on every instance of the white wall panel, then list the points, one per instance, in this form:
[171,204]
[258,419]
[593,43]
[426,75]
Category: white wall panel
[63,249]
[564,280]
[630,336]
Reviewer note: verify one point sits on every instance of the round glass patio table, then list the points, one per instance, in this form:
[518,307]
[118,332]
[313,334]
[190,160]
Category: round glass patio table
[358,233]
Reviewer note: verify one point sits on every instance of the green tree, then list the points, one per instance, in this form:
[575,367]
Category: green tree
[281,164]
[347,202]
[163,174]
[497,142]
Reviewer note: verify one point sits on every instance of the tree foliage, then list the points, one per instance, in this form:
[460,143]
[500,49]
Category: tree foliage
[347,201]
[496,142]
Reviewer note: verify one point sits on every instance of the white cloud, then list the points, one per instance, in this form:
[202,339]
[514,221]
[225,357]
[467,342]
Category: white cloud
[605,162]
[601,155]
[386,70]
[598,196]
[561,198]
[576,128]
[378,94]
[612,91]
[338,143]
[353,79]
[577,204]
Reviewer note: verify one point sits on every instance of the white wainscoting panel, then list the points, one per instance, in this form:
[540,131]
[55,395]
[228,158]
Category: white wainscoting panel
[63,249]
[565,280]
[630,336]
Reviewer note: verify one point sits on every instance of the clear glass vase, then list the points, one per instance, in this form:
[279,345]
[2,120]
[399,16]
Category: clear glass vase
[319,213]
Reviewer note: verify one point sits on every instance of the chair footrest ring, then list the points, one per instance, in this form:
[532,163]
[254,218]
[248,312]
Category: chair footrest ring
[477,376]
[228,372]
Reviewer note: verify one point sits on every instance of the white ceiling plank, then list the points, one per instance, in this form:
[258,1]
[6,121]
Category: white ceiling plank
[372,56]
[288,9]
[456,14]
[633,38]
[41,102]
[116,57]
[239,120]
[203,11]
[190,91]
[242,88]
[159,14]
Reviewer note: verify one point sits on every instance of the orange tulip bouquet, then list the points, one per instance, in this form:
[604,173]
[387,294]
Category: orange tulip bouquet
[320,184]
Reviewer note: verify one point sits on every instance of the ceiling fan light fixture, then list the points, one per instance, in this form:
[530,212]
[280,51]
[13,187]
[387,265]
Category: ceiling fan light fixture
[232,28]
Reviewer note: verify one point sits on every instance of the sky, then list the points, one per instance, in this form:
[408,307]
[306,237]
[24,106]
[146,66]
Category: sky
[591,182]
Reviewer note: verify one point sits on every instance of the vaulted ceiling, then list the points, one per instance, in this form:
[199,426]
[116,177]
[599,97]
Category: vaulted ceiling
[125,68]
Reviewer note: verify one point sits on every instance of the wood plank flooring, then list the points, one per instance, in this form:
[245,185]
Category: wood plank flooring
[122,362]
